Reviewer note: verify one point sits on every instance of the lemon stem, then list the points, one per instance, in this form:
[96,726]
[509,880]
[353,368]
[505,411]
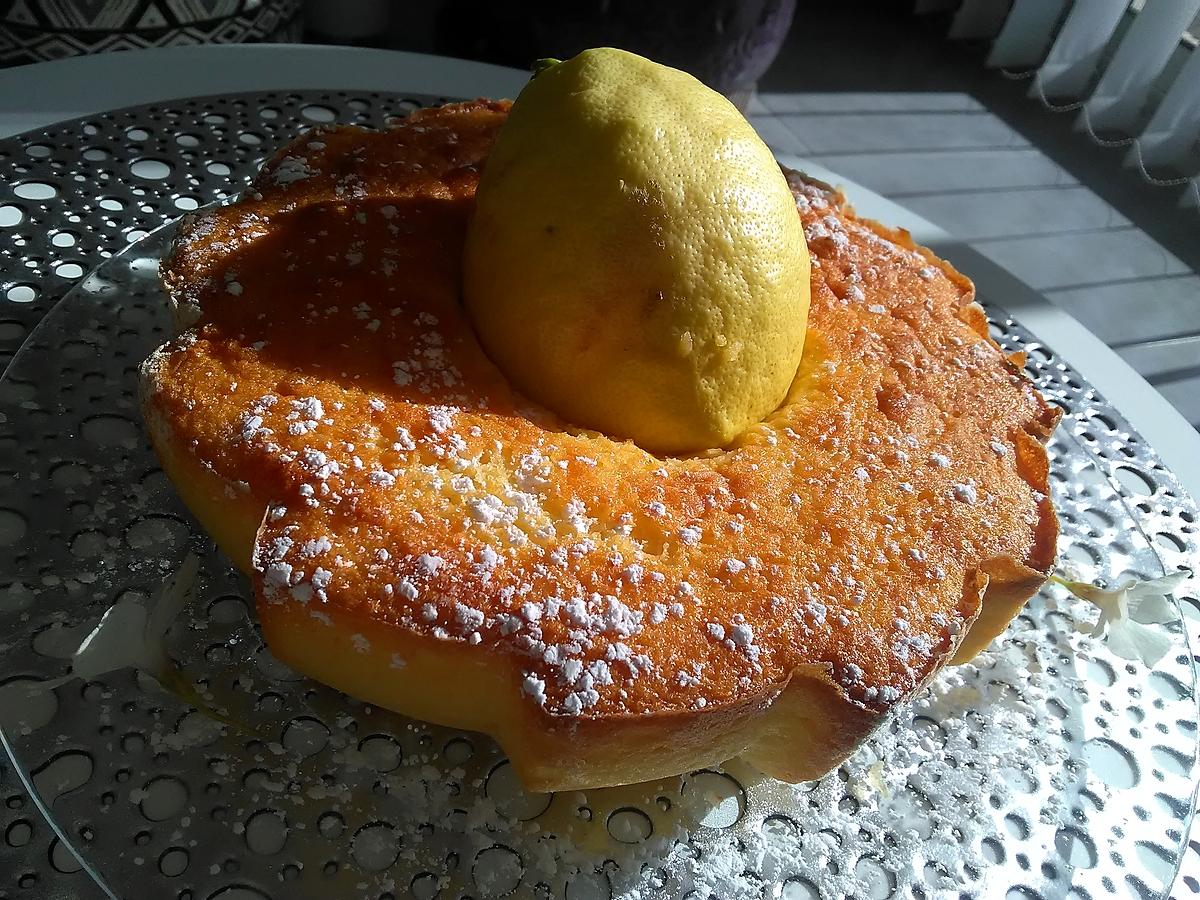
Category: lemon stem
[542,65]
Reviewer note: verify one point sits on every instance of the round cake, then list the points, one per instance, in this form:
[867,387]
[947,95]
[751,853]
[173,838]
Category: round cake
[422,537]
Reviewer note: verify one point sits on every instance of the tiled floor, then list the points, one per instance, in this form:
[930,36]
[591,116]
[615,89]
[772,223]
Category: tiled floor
[1167,306]
[903,111]
[1017,212]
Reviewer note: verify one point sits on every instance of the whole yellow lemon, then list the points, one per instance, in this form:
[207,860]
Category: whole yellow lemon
[635,261]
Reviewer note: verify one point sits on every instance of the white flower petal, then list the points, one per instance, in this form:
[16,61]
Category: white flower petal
[1134,641]
[1153,609]
[1165,585]
[1127,611]
[1110,603]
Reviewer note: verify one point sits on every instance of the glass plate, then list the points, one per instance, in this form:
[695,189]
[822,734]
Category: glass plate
[1046,768]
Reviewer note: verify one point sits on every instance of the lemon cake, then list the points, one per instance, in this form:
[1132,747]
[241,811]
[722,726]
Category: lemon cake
[423,537]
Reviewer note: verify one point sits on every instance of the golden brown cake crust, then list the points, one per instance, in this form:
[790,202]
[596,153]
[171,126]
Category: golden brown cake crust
[811,576]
